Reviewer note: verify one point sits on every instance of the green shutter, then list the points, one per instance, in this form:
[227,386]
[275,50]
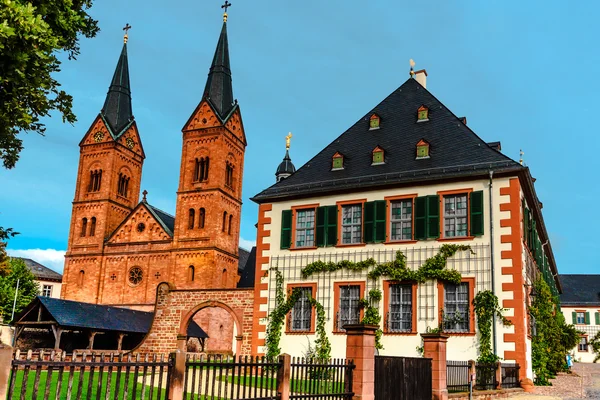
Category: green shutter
[433,216]
[574,315]
[420,218]
[326,226]
[369,222]
[286,229]
[331,230]
[587,318]
[379,222]
[476,199]
[526,224]
[597,318]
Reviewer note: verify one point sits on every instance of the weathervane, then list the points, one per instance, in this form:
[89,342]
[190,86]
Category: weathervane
[225,6]
[521,154]
[287,141]
[412,65]
[126,29]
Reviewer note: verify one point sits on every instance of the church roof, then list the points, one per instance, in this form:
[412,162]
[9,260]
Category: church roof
[76,314]
[40,271]
[455,150]
[580,290]
[117,111]
[246,268]
[219,89]
[166,220]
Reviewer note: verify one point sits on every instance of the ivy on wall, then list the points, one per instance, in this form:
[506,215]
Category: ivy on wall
[595,345]
[486,306]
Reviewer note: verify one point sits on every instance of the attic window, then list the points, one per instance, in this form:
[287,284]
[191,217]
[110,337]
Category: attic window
[422,149]
[374,122]
[338,162]
[378,156]
[423,114]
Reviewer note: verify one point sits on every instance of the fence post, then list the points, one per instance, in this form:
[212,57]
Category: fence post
[360,347]
[434,347]
[283,377]
[6,352]
[498,375]
[175,389]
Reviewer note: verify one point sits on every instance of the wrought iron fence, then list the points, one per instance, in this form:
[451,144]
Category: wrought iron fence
[457,376]
[485,376]
[314,379]
[510,375]
[87,375]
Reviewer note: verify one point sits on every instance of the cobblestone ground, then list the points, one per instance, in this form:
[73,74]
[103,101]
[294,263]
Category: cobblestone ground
[583,383]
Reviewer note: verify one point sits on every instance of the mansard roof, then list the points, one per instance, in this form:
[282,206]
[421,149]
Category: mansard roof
[455,150]
[580,290]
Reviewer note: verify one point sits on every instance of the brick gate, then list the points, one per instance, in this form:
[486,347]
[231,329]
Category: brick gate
[175,309]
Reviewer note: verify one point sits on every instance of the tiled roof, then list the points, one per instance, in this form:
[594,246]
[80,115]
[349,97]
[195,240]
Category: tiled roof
[117,110]
[246,268]
[165,219]
[75,314]
[455,150]
[40,271]
[219,89]
[582,290]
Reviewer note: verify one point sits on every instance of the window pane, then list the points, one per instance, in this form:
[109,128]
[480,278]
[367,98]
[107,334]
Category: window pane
[352,224]
[400,311]
[456,307]
[302,311]
[455,215]
[349,312]
[305,228]
[401,220]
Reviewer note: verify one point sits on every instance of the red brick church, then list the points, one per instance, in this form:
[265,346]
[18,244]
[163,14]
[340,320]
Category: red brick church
[121,248]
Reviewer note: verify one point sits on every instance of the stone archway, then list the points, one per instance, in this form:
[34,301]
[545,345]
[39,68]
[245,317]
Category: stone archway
[175,309]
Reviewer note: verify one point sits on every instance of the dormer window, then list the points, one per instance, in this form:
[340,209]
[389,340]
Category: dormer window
[378,156]
[423,114]
[338,162]
[374,122]
[422,149]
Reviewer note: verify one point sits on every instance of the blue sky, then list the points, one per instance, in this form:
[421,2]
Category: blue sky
[524,73]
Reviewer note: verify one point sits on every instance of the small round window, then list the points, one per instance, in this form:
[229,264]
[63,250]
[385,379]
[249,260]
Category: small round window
[135,276]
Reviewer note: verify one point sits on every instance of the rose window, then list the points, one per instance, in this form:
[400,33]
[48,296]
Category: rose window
[135,275]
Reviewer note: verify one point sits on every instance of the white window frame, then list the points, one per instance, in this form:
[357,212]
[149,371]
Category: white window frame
[461,305]
[349,309]
[47,288]
[401,220]
[400,313]
[301,314]
[452,215]
[583,347]
[305,228]
[352,227]
[580,318]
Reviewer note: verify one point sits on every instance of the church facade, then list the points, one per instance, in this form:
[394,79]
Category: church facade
[121,248]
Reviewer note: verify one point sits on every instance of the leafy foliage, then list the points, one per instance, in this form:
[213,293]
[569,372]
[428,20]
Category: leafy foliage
[31,34]
[5,234]
[595,345]
[28,288]
[554,338]
[371,316]
[486,306]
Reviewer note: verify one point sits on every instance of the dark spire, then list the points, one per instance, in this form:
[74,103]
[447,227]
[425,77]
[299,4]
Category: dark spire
[286,168]
[218,88]
[117,106]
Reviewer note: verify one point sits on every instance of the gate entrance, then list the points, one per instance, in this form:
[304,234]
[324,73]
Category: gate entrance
[402,378]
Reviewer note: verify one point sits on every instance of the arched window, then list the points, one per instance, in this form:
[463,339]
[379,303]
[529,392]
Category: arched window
[83,227]
[228,174]
[224,220]
[93,226]
[191,272]
[81,276]
[207,161]
[224,278]
[95,180]
[123,185]
[201,169]
[229,227]
[192,217]
[201,217]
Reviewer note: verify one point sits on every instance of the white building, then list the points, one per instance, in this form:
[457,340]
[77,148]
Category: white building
[580,304]
[409,176]
[49,280]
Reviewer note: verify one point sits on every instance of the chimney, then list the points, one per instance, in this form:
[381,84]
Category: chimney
[421,77]
[463,120]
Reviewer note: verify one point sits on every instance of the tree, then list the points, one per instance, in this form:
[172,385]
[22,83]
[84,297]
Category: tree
[5,234]
[32,33]
[28,288]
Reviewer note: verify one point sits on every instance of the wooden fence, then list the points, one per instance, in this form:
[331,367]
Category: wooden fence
[403,378]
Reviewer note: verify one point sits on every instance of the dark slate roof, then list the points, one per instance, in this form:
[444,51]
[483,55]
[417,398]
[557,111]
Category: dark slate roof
[455,150]
[286,166]
[219,89]
[246,268]
[117,112]
[40,271]
[75,314]
[580,290]
[165,219]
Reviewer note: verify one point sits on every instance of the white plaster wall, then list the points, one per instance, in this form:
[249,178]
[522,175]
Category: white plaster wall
[589,330]
[56,288]
[459,347]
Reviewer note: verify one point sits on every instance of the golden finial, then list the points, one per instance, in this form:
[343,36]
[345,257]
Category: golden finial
[225,6]
[521,154]
[412,65]
[287,141]
[126,29]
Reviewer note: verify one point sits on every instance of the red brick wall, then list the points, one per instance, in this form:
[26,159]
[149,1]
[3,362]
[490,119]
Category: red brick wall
[218,325]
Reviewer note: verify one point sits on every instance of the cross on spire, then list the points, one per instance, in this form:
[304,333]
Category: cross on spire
[126,29]
[144,193]
[225,6]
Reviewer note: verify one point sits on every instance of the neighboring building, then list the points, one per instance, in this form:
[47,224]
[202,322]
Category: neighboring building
[120,248]
[50,281]
[580,304]
[411,176]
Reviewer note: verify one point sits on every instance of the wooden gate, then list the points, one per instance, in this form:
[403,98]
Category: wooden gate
[402,378]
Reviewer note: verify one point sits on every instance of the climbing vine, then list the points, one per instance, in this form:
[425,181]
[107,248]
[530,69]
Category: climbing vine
[371,316]
[486,306]
[595,345]
[277,319]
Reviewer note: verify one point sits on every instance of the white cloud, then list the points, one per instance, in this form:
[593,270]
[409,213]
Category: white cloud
[247,244]
[51,258]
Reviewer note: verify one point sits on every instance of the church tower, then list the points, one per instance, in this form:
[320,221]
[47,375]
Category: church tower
[107,188]
[209,197]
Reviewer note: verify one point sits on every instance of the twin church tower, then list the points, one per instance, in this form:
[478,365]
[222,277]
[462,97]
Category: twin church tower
[121,248]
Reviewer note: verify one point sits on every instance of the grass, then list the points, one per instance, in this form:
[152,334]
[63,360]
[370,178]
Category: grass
[316,386]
